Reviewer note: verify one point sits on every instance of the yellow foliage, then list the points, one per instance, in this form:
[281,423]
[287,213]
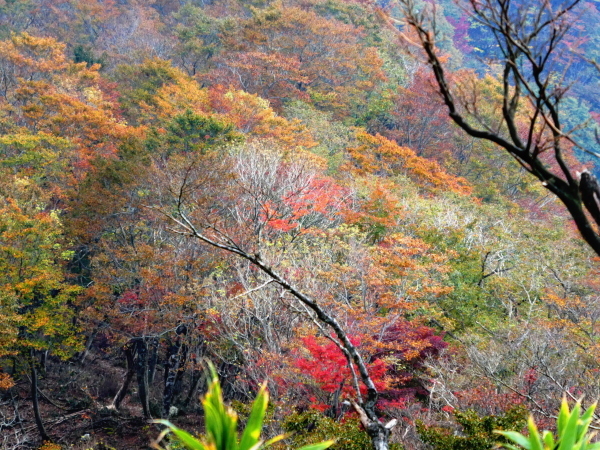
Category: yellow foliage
[381,156]
[6,382]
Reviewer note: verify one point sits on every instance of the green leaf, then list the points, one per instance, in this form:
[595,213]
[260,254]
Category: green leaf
[221,424]
[188,440]
[586,419]
[275,439]
[563,417]
[256,446]
[511,447]
[253,428]
[569,433]
[517,438]
[548,439]
[183,436]
[589,413]
[535,441]
[318,446]
[214,424]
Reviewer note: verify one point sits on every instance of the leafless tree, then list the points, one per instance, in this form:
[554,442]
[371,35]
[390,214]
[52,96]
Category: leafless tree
[531,38]
[232,212]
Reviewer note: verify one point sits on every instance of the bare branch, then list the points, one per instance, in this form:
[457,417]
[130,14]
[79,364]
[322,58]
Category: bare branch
[529,37]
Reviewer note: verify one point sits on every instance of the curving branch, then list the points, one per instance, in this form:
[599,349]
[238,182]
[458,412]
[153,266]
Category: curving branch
[378,432]
[528,38]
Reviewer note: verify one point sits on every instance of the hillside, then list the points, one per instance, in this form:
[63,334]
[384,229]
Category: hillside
[221,179]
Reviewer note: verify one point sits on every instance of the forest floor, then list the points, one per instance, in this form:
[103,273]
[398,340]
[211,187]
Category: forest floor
[76,416]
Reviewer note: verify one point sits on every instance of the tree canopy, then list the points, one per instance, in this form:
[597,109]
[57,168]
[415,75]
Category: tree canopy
[376,209]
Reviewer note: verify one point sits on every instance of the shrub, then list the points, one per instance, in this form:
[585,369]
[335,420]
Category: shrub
[478,433]
[310,426]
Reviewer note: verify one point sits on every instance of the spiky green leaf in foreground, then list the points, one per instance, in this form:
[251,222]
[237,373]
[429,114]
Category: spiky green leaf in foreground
[572,429]
[221,424]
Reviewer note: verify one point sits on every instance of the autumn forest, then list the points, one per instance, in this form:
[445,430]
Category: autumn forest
[386,210]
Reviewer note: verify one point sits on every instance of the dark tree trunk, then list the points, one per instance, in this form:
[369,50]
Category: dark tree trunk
[44,363]
[88,345]
[35,398]
[141,368]
[377,431]
[173,370]
[194,383]
[177,387]
[153,360]
[379,436]
[196,376]
[129,355]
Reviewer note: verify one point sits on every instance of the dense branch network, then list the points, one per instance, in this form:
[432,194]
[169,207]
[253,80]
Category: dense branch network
[366,405]
[529,38]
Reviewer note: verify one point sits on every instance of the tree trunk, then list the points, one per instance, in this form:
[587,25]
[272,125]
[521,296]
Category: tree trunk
[173,366]
[116,403]
[379,436]
[378,432]
[44,363]
[153,360]
[142,375]
[35,398]
[178,386]
[194,383]
[88,345]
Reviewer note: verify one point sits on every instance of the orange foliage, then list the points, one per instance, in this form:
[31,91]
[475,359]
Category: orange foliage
[249,113]
[47,93]
[378,155]
[253,115]
[6,382]
[299,54]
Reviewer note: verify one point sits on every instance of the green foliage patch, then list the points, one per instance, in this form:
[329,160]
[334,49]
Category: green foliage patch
[478,432]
